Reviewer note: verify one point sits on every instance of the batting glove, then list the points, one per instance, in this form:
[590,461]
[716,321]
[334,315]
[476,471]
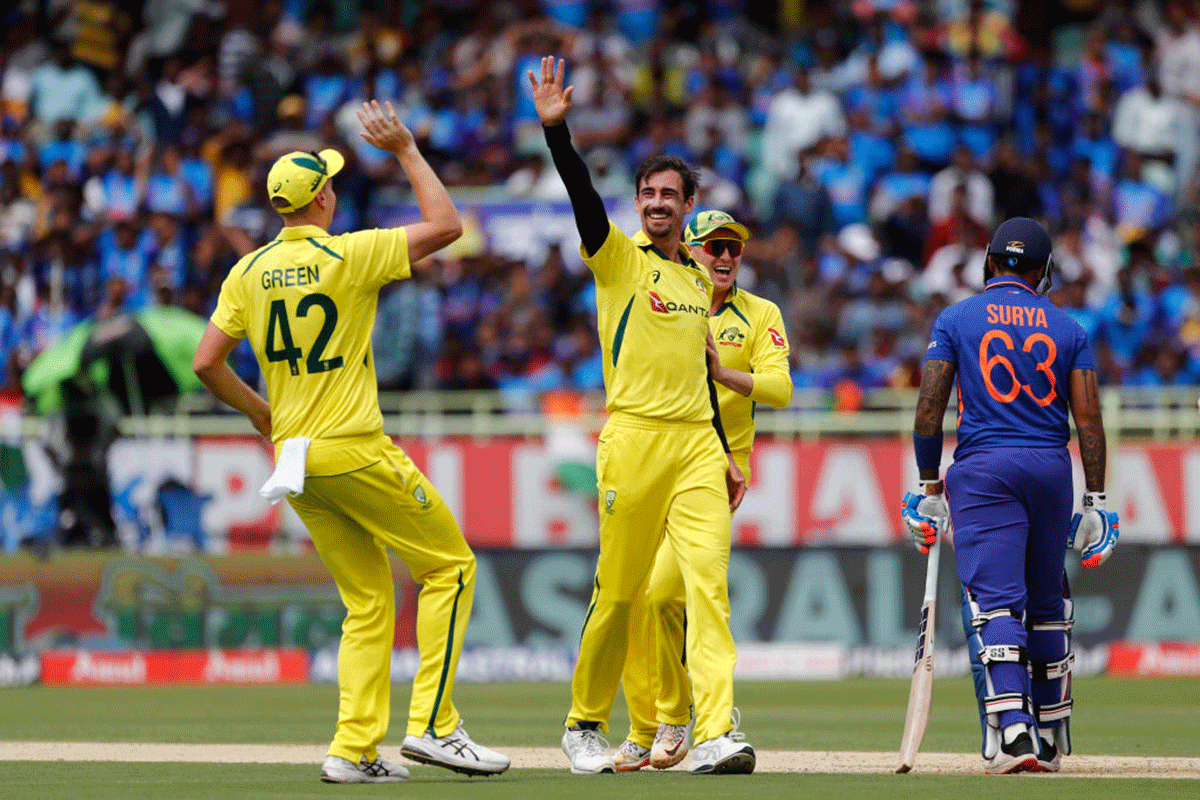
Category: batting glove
[1094,531]
[926,516]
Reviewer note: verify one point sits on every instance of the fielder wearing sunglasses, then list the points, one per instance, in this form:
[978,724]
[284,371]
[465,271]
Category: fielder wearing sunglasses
[717,247]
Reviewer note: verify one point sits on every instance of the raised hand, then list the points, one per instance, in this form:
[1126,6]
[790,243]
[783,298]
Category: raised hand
[383,128]
[549,98]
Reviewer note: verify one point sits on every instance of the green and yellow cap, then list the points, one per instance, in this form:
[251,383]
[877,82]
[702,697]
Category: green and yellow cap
[706,222]
[298,176]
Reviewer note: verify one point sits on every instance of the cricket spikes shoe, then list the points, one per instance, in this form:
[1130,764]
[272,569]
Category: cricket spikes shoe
[455,751]
[587,750]
[1018,756]
[1049,759]
[670,745]
[727,754]
[631,756]
[340,770]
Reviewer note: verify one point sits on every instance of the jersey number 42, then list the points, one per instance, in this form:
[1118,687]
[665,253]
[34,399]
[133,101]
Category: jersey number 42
[281,347]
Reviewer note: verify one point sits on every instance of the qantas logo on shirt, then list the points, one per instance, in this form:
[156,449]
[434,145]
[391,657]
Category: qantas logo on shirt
[777,338]
[660,306]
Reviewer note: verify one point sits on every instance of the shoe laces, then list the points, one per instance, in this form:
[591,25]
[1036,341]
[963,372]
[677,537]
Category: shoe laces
[593,743]
[734,734]
[374,768]
[632,748]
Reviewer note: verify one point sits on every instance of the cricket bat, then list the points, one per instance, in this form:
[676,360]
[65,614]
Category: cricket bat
[921,692]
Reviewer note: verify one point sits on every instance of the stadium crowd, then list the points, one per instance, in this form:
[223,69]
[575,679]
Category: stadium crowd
[871,147]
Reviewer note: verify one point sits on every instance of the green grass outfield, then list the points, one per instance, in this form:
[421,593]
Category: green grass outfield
[1129,717]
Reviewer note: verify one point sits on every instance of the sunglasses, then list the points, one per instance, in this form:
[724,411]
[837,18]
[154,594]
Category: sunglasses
[717,247]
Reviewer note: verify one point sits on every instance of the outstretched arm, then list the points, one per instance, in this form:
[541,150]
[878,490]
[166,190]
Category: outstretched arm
[441,223]
[553,102]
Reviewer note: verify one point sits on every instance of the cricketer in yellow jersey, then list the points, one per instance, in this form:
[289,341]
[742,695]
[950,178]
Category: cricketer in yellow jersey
[307,301]
[661,467]
[749,347]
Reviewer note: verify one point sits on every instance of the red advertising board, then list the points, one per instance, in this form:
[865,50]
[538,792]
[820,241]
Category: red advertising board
[1155,659]
[146,667]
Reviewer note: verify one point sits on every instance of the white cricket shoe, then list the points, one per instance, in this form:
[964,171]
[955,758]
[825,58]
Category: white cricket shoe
[588,752]
[339,770]
[455,751]
[631,756]
[1017,756]
[727,754]
[670,744]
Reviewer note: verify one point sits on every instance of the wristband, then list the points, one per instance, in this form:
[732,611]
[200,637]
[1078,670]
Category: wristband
[1094,501]
[928,450]
[924,486]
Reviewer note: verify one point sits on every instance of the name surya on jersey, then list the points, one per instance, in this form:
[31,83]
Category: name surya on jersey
[292,276]
[1016,315]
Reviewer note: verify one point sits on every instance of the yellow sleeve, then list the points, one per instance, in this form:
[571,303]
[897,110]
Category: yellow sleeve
[612,261]
[379,255]
[769,359]
[230,313]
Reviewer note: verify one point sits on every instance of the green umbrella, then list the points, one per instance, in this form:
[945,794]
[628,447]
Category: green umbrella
[149,353]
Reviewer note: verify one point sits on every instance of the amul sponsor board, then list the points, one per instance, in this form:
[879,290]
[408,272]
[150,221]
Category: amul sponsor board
[860,597]
[504,494]
[145,667]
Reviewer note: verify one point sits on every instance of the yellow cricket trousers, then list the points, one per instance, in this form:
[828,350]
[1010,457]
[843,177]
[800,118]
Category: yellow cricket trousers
[655,678]
[659,478]
[353,519]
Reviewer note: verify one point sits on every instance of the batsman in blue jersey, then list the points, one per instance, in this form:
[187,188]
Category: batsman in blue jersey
[1021,365]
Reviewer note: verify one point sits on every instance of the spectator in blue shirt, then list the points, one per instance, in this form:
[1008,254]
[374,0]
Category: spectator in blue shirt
[117,192]
[896,186]
[923,108]
[1126,317]
[167,188]
[875,99]
[165,249]
[974,100]
[845,180]
[804,203]
[63,147]
[1139,208]
[1093,142]
[1072,298]
[120,257]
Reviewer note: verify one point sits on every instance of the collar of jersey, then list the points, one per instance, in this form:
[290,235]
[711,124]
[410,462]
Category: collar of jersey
[643,241]
[730,297]
[1009,280]
[293,232]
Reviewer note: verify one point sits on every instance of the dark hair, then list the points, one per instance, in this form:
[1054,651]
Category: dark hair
[662,163]
[1016,265]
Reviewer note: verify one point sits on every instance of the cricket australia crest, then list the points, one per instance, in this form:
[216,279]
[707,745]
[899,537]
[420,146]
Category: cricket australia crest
[422,498]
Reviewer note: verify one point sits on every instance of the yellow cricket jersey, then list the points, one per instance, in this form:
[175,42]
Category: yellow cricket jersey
[750,337]
[307,303]
[652,315]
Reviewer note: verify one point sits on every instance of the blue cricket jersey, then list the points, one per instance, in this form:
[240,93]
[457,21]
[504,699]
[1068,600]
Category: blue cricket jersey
[1013,351]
